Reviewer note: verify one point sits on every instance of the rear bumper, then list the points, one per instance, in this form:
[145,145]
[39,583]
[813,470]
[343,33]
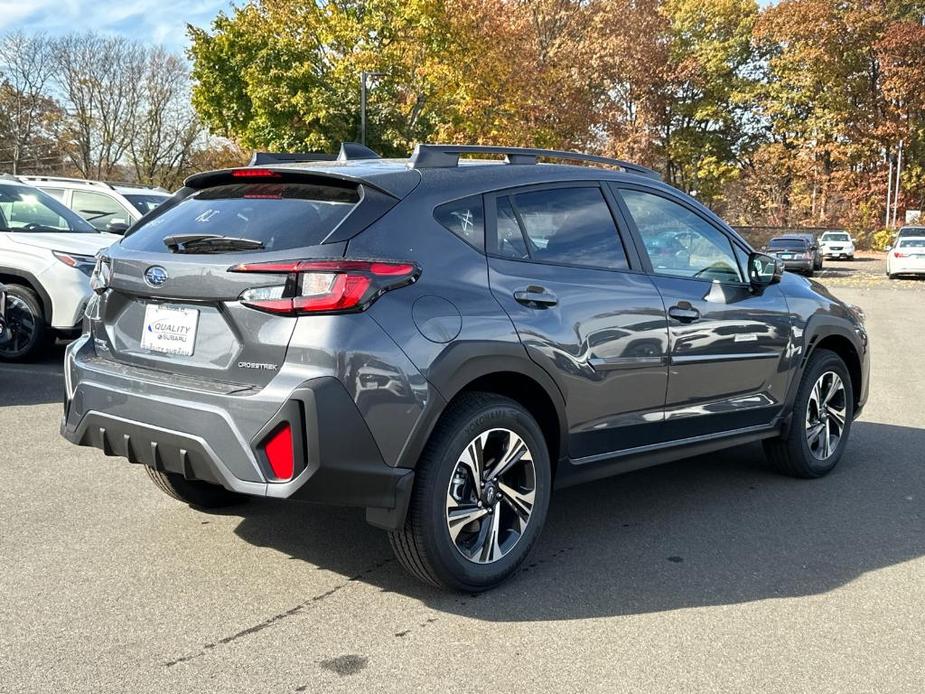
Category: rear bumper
[798,265]
[898,267]
[215,436]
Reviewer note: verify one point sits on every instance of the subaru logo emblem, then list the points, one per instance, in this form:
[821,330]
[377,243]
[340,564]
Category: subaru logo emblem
[155,276]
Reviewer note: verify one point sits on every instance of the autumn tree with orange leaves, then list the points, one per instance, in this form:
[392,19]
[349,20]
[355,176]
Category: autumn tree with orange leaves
[780,115]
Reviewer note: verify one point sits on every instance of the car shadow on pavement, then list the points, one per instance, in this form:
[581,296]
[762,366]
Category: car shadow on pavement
[712,530]
[34,382]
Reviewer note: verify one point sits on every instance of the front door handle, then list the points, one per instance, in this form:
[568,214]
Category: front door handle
[535,297]
[684,312]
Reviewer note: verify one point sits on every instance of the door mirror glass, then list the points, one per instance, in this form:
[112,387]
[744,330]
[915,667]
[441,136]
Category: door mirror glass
[764,270]
[116,227]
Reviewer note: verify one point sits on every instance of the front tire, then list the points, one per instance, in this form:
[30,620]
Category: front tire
[26,322]
[481,493]
[199,495]
[820,422]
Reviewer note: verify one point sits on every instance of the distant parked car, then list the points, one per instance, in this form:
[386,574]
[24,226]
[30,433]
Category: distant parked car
[111,207]
[907,257]
[47,254]
[837,244]
[799,252]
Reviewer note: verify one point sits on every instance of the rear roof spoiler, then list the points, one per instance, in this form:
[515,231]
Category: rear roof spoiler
[349,151]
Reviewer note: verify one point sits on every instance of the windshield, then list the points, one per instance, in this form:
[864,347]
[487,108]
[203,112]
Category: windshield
[278,215]
[912,243]
[27,209]
[146,202]
[791,244]
[837,236]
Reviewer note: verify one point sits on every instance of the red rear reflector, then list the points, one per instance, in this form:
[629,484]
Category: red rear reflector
[255,173]
[279,453]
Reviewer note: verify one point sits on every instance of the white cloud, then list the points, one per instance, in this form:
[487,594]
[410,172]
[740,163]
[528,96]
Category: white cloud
[156,21]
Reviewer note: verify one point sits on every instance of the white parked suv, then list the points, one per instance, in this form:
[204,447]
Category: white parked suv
[837,244]
[47,254]
[111,207]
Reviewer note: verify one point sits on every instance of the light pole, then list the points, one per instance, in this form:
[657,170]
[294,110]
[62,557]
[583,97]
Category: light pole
[363,88]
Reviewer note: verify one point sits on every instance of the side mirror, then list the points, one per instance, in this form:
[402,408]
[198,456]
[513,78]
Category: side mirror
[116,227]
[764,270]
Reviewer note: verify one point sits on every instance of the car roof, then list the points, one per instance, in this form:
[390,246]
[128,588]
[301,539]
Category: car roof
[471,176]
[140,190]
[793,237]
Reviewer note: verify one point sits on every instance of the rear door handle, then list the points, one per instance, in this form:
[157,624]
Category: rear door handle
[535,297]
[684,312]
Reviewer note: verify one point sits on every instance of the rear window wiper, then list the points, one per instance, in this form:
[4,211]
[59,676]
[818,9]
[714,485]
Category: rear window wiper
[209,243]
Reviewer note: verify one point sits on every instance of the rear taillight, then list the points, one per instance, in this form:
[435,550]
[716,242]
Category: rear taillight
[325,286]
[898,254]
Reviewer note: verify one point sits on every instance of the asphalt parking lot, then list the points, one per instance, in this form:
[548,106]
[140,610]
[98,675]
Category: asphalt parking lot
[710,574]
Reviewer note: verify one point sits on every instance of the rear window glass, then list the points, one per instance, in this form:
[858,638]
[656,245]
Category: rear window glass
[912,243]
[145,203]
[465,218]
[279,215]
[835,237]
[787,243]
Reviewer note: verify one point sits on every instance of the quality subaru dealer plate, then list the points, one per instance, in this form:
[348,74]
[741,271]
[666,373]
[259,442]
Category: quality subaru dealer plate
[169,329]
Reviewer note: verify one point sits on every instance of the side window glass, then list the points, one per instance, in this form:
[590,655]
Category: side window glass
[99,210]
[56,193]
[679,242]
[510,238]
[465,218]
[571,226]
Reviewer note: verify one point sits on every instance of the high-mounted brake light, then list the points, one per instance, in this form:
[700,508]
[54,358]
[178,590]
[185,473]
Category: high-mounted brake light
[325,286]
[255,173]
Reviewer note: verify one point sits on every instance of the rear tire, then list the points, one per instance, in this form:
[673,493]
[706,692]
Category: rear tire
[489,545]
[820,422]
[199,495]
[27,323]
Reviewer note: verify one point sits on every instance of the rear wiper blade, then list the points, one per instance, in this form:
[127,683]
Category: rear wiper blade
[209,243]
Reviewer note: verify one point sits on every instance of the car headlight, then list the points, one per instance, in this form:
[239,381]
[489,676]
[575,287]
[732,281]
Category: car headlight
[84,263]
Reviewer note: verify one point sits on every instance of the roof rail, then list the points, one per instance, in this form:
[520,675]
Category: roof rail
[447,156]
[64,179]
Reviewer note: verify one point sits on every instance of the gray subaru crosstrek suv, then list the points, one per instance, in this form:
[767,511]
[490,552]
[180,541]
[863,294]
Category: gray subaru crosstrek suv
[443,340]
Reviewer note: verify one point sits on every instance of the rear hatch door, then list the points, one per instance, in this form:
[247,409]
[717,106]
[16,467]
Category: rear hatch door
[173,306]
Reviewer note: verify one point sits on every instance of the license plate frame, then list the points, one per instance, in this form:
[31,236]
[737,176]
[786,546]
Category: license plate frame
[169,329]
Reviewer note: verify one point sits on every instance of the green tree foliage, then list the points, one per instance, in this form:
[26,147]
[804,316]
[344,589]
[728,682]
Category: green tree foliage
[782,114]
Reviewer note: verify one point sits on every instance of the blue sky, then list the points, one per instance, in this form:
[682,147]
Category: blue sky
[158,21]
